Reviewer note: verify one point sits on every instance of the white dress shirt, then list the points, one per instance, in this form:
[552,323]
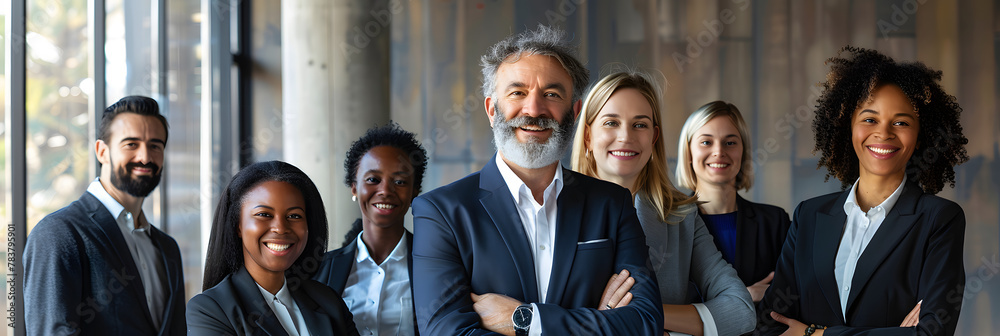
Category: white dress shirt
[145,255]
[858,232]
[284,307]
[378,295]
[539,222]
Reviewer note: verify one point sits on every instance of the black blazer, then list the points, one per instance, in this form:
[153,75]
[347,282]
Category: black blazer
[236,307]
[337,266]
[469,239]
[79,277]
[760,232]
[915,255]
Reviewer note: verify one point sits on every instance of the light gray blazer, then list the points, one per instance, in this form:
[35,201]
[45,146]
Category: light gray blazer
[686,252]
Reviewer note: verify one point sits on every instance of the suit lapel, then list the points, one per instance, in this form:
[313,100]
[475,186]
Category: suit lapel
[317,320]
[826,240]
[569,216]
[259,313]
[169,265]
[102,219]
[499,204]
[746,238]
[896,225]
[342,266]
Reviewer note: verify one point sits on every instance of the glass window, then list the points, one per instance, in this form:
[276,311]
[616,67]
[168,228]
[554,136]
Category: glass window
[182,178]
[58,88]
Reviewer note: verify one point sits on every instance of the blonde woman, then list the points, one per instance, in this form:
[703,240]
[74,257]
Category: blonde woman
[714,161]
[618,140]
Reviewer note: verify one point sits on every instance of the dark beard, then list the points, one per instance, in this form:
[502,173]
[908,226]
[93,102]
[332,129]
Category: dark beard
[138,186]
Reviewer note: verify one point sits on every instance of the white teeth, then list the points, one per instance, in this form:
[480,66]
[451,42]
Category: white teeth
[718,165]
[277,247]
[621,153]
[532,128]
[384,206]
[882,151]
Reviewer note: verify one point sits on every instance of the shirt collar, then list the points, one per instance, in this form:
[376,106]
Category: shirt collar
[516,186]
[284,296]
[116,209]
[885,206]
[397,253]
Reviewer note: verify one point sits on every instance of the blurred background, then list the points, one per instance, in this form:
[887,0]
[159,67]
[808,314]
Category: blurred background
[297,80]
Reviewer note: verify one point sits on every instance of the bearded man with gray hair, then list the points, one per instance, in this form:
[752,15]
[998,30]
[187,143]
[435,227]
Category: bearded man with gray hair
[525,246]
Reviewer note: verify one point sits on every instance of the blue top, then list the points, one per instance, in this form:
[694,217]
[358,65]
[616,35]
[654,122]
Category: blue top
[723,228]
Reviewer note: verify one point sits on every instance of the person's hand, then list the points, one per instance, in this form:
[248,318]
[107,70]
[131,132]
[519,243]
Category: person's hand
[757,290]
[496,311]
[616,293]
[913,318]
[795,328]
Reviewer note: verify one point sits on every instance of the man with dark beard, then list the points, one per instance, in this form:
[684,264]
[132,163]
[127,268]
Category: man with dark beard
[97,267]
[525,246]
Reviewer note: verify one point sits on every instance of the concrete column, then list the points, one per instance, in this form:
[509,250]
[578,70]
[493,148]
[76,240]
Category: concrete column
[335,83]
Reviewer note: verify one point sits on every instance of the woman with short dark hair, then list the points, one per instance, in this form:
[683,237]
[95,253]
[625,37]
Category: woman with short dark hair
[372,271]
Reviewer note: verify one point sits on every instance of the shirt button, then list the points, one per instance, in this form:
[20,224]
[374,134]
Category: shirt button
[847,288]
[542,247]
[370,301]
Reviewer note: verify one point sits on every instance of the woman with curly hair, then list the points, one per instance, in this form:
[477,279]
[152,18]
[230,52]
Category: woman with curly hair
[618,140]
[372,271]
[268,234]
[885,256]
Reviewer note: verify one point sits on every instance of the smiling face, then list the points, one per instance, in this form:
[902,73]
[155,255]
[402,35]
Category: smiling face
[384,186]
[532,111]
[273,228]
[621,137]
[884,132]
[717,152]
[132,158]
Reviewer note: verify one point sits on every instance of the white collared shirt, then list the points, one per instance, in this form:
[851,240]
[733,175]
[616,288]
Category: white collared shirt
[144,253]
[379,296]
[285,309]
[858,232]
[539,222]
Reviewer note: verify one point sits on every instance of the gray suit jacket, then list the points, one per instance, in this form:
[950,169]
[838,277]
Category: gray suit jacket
[686,252]
[80,278]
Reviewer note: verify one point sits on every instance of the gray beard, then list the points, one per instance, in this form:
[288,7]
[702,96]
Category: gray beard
[533,154]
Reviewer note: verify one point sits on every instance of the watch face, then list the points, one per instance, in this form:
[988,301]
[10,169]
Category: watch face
[522,317]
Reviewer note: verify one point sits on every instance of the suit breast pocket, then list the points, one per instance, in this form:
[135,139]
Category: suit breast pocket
[594,244]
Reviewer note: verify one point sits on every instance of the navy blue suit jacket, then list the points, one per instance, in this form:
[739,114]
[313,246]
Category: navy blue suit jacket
[236,307]
[337,266]
[79,277]
[915,255]
[469,239]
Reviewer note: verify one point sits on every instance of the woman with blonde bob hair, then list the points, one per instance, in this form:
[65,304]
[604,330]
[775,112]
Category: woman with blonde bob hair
[618,140]
[714,161]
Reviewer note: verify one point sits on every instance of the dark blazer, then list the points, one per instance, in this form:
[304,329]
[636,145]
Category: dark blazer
[760,232]
[915,255]
[236,307]
[337,266]
[79,277]
[469,239]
